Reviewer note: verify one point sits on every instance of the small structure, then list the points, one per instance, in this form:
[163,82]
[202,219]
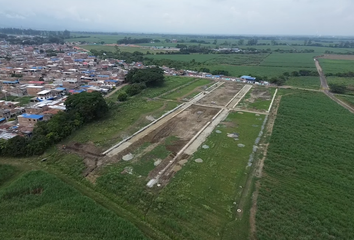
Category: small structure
[45,95]
[248,78]
[29,120]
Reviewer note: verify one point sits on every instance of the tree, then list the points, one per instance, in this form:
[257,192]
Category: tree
[295,74]
[252,42]
[241,42]
[151,76]
[337,88]
[135,88]
[206,70]
[122,96]
[66,34]
[88,105]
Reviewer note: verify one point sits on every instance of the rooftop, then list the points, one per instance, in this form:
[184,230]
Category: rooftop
[32,116]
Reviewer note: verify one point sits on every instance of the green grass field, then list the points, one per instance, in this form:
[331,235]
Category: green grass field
[212,59]
[196,87]
[336,66]
[304,82]
[122,48]
[126,118]
[258,99]
[347,99]
[294,60]
[6,172]
[348,82]
[199,202]
[306,188]
[40,206]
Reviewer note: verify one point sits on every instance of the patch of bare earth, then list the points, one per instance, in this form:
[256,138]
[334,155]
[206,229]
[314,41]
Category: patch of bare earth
[88,151]
[222,95]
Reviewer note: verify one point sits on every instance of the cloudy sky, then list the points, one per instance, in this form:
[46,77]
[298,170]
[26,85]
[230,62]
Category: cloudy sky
[294,17]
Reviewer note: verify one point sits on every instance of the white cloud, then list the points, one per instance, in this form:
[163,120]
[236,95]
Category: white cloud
[185,16]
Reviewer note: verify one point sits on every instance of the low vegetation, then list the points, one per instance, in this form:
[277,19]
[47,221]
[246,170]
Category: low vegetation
[6,171]
[187,89]
[304,82]
[40,206]
[306,189]
[200,202]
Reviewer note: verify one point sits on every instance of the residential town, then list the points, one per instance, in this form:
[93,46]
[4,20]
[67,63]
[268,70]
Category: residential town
[48,73]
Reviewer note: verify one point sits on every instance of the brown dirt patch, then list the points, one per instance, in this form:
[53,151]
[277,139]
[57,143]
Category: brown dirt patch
[337,57]
[222,95]
[88,151]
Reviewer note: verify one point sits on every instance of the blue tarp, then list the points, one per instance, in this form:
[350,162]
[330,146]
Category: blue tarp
[249,78]
[32,116]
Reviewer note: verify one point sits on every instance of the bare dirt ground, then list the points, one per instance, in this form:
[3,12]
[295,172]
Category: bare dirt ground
[337,57]
[88,151]
[222,95]
[259,93]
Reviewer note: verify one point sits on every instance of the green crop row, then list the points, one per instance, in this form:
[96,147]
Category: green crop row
[40,206]
[306,191]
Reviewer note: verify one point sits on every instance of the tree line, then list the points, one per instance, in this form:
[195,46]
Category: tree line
[81,109]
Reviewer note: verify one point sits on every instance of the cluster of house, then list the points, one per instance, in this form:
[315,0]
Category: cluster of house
[47,74]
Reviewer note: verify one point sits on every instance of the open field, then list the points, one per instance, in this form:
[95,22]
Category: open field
[338,57]
[6,172]
[304,82]
[222,95]
[195,87]
[347,99]
[212,59]
[258,99]
[112,48]
[199,202]
[305,190]
[294,60]
[40,206]
[336,66]
[348,82]
[131,49]
[127,117]
[151,154]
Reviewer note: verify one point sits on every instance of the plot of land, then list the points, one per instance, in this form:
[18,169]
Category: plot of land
[58,211]
[305,191]
[336,66]
[338,57]
[304,82]
[200,202]
[222,95]
[191,89]
[348,82]
[258,99]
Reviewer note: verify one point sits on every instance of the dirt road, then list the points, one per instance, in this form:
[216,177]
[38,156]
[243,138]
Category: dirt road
[324,84]
[325,88]
[115,90]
